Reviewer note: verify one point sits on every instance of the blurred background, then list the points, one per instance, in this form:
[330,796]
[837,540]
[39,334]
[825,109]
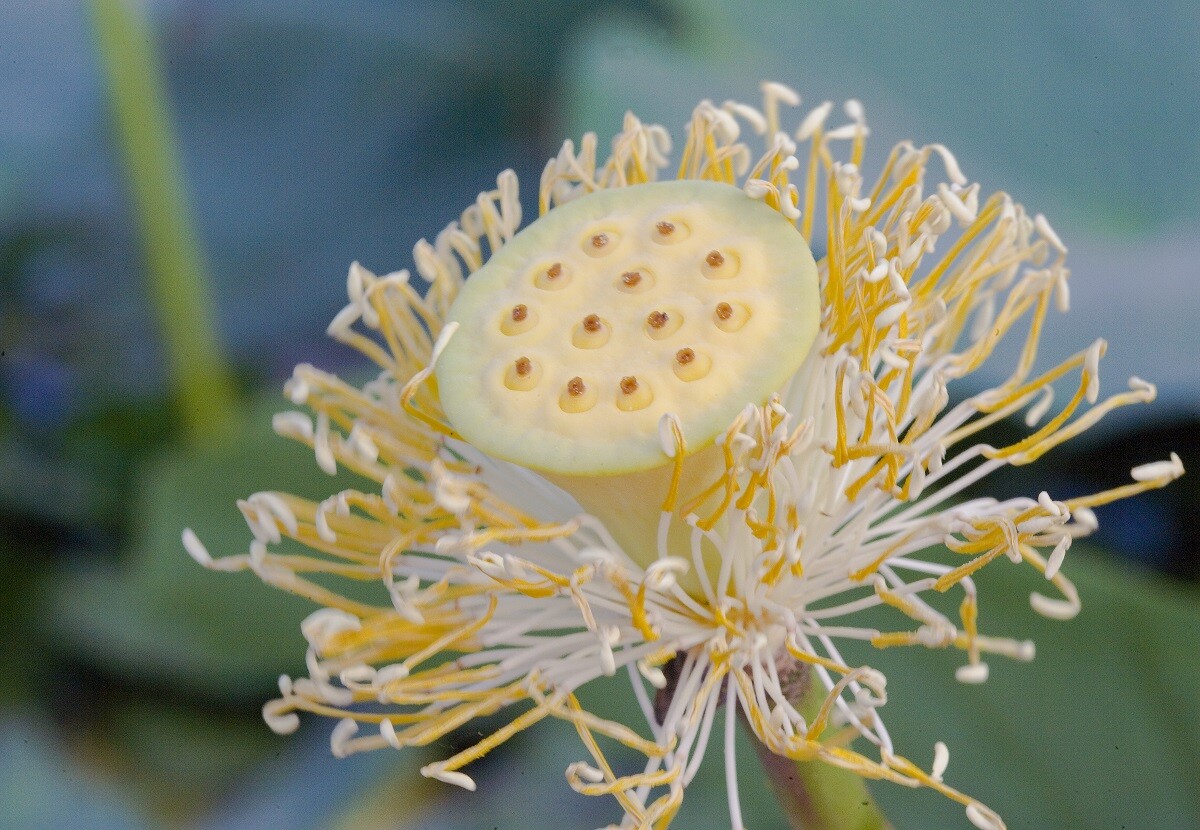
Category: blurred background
[183,184]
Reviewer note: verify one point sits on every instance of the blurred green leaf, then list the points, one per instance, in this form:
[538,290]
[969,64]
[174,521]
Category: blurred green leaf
[1101,731]
[43,787]
[162,616]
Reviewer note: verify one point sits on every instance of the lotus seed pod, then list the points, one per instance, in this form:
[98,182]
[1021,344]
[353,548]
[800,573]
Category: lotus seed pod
[682,297]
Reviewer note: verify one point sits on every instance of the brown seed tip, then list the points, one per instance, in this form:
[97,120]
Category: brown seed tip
[554,271]
[657,319]
[684,356]
[629,385]
[665,228]
[724,311]
[591,323]
[519,312]
[523,366]
[599,240]
[631,278]
[575,387]
[715,259]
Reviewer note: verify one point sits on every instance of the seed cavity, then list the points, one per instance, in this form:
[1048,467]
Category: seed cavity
[552,278]
[633,395]
[635,281]
[600,244]
[576,396]
[661,324]
[730,317]
[522,374]
[720,265]
[670,232]
[591,333]
[690,365]
[520,318]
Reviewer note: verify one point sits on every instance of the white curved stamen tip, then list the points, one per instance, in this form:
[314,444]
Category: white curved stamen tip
[195,548]
[339,738]
[973,673]
[1169,470]
[983,818]
[458,779]
[941,759]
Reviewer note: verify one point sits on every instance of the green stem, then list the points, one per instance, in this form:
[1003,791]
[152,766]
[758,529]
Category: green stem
[178,284]
[817,796]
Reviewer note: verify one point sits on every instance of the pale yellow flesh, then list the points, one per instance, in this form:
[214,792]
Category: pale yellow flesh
[749,320]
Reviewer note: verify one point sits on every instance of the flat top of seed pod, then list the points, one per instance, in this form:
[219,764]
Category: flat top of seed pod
[682,297]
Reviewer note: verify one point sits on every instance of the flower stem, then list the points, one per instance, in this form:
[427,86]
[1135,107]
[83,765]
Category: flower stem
[817,796]
[175,269]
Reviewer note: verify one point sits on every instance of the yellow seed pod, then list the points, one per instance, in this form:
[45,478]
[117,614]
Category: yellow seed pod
[655,270]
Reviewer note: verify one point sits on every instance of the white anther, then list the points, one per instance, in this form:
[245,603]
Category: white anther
[983,818]
[973,673]
[784,94]
[1054,609]
[661,573]
[814,121]
[585,771]
[388,732]
[653,674]
[195,548]
[1085,521]
[292,425]
[748,114]
[953,171]
[1169,470]
[390,674]
[1043,227]
[1055,561]
[1054,508]
[362,674]
[323,623]
[279,718]
[339,739]
[1039,409]
[941,759]
[458,779]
